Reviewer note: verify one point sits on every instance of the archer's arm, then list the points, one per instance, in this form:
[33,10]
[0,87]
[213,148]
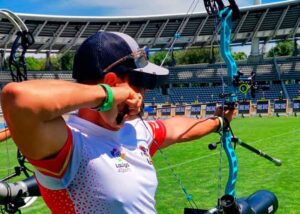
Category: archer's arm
[4,134]
[33,111]
[183,129]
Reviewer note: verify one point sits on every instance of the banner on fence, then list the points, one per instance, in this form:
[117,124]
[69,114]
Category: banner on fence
[262,107]
[280,106]
[210,108]
[195,109]
[244,107]
[166,110]
[296,105]
[180,110]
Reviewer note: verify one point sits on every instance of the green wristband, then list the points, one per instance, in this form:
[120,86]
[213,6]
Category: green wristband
[108,102]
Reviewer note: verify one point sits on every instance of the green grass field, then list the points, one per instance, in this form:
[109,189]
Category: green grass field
[198,167]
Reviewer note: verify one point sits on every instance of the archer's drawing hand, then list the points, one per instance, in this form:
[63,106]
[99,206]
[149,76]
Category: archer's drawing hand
[127,104]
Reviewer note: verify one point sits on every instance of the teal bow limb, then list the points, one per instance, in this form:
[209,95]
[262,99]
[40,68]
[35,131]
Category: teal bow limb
[226,18]
[232,161]
[226,23]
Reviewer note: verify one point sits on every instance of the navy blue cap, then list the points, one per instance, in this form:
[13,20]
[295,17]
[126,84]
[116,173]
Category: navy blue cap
[102,49]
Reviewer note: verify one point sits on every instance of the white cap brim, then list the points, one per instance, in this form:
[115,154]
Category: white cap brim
[153,69]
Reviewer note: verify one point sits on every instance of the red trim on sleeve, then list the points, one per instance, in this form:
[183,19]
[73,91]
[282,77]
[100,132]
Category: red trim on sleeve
[159,134]
[58,201]
[56,166]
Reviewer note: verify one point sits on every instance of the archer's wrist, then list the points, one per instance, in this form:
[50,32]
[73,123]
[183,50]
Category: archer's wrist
[106,101]
[220,126]
[223,123]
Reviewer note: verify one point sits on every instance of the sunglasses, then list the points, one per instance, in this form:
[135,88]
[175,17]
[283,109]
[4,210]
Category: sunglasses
[139,58]
[137,77]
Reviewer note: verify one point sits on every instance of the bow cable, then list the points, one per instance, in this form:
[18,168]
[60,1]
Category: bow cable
[188,196]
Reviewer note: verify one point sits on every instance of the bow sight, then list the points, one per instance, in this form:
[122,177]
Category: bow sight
[245,83]
[248,84]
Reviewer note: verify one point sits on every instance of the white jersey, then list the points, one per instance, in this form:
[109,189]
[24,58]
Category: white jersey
[108,171]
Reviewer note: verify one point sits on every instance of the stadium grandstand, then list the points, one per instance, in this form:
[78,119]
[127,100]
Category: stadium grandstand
[258,26]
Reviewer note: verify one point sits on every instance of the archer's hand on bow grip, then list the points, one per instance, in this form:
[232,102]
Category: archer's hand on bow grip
[229,114]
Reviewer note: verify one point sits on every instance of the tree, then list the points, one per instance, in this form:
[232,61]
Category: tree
[282,48]
[239,56]
[196,55]
[158,57]
[34,64]
[66,61]
[56,65]
[185,57]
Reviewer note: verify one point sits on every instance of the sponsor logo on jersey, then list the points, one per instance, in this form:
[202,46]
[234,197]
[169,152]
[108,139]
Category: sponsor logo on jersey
[120,160]
[145,153]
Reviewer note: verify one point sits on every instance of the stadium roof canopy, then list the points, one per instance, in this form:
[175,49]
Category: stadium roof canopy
[268,22]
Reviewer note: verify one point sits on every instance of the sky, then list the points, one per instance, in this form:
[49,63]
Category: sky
[109,7]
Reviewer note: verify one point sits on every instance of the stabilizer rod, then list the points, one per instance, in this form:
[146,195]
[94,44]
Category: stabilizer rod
[260,153]
[276,161]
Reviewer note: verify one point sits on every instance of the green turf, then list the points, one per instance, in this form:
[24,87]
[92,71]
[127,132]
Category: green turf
[198,170]
[198,167]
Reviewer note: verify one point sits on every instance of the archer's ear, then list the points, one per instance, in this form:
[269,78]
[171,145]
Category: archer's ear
[110,79]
